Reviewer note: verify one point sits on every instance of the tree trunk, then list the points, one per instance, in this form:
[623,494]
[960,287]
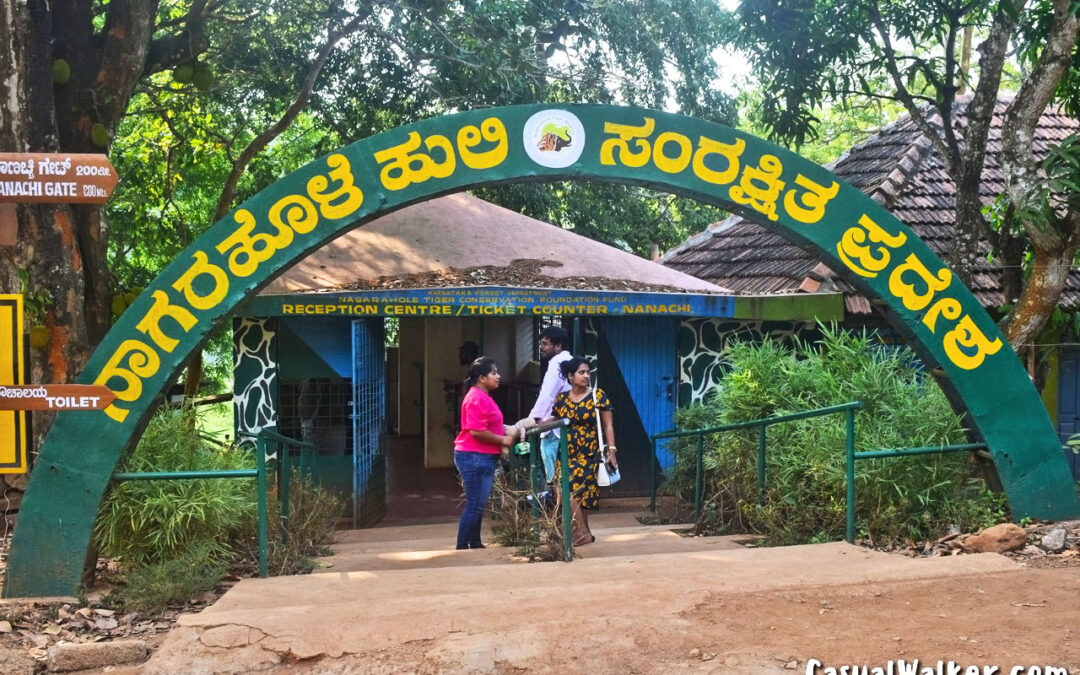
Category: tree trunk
[964,255]
[1040,295]
[1054,242]
[46,243]
[63,247]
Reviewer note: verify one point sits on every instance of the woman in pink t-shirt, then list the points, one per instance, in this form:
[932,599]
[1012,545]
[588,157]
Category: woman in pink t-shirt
[478,447]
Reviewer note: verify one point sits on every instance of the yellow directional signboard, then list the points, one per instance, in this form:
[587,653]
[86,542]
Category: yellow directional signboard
[12,422]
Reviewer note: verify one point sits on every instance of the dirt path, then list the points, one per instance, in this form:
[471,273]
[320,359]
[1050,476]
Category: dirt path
[1023,618]
[706,605]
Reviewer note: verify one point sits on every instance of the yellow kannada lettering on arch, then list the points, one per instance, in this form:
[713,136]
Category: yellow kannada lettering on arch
[729,151]
[624,134]
[967,334]
[813,200]
[248,249]
[858,257]
[151,323]
[906,291]
[333,204]
[491,130]
[202,267]
[760,186]
[292,213]
[950,308]
[672,164]
[405,166]
[142,362]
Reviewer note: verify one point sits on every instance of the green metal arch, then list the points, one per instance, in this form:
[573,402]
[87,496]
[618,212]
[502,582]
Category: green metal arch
[241,253]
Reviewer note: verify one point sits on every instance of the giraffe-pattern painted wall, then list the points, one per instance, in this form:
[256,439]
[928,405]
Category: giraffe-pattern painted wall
[590,348]
[255,375]
[703,343]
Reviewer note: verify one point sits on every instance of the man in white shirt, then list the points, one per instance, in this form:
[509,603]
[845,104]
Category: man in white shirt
[553,346]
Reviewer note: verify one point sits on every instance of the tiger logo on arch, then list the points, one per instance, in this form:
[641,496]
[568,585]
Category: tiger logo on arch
[554,138]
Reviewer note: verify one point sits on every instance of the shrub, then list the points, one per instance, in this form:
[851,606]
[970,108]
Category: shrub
[151,521]
[539,538]
[175,538]
[155,586]
[313,514]
[896,498]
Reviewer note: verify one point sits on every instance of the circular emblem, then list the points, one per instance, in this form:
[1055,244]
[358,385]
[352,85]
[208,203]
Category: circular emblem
[554,138]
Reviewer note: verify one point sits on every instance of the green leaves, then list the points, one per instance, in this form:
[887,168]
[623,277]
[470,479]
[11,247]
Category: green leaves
[898,498]
[144,522]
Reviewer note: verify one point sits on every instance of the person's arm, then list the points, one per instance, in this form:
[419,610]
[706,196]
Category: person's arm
[549,389]
[607,422]
[485,436]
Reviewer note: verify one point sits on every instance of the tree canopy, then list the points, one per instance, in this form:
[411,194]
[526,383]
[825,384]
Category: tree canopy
[203,102]
[809,52]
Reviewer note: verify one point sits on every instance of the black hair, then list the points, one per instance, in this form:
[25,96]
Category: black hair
[570,366]
[556,335]
[468,352]
[479,368]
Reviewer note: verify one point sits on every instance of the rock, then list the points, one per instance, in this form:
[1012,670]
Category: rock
[39,641]
[5,626]
[231,635]
[68,657]
[997,539]
[16,662]
[1054,541]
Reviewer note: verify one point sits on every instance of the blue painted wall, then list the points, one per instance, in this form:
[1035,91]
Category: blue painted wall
[645,352]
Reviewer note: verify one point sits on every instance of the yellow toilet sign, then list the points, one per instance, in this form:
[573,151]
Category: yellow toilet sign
[12,422]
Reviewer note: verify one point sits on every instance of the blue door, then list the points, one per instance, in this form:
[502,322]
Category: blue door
[1069,402]
[644,350]
[369,422]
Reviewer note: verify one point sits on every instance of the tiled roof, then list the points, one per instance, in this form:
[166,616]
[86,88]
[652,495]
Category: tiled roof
[460,240]
[898,169]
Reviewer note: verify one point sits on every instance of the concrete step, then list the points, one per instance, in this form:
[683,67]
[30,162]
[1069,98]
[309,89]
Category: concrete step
[356,611]
[618,533]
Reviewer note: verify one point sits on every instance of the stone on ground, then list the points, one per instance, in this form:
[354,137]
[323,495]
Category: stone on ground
[997,539]
[84,656]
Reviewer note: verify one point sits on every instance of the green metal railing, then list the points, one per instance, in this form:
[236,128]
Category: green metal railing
[258,473]
[284,472]
[852,456]
[847,408]
[536,468]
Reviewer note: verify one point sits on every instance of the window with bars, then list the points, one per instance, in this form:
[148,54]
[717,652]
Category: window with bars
[317,411]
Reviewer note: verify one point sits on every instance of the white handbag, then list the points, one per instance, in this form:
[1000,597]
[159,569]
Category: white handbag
[606,474]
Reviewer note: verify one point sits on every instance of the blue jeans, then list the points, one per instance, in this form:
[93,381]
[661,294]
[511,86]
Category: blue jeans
[549,451]
[477,471]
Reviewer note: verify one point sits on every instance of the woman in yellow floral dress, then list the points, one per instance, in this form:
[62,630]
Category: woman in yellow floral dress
[579,405]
